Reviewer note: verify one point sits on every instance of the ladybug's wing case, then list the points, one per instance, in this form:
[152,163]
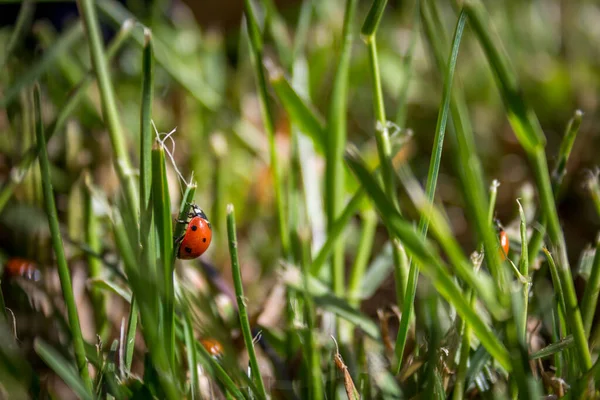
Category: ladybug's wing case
[196,240]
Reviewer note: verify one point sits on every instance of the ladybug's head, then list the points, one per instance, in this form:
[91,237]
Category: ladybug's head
[196,211]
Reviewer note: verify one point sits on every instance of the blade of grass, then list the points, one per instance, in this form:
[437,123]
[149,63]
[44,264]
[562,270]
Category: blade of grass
[300,113]
[62,368]
[164,227]
[256,51]
[312,348]
[75,97]
[67,40]
[430,262]
[192,358]
[560,169]
[241,301]
[553,348]
[92,238]
[336,141]
[432,176]
[524,270]
[87,9]
[590,295]
[593,186]
[22,24]
[529,133]
[365,244]
[464,329]
[465,157]
[63,268]
[384,148]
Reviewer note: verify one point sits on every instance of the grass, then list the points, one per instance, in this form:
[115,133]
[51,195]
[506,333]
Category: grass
[341,216]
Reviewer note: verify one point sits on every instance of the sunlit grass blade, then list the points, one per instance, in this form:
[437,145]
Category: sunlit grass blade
[87,9]
[553,348]
[382,138]
[336,231]
[590,295]
[365,245]
[57,244]
[161,202]
[192,358]
[312,350]
[300,113]
[430,262]
[560,169]
[593,185]
[92,238]
[432,176]
[256,51]
[63,369]
[524,271]
[35,71]
[465,158]
[336,142]
[241,301]
[21,25]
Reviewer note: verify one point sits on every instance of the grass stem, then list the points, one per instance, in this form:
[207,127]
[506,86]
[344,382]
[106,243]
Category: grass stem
[57,244]
[241,301]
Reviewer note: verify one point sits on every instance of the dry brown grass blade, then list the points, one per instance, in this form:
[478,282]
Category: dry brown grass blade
[351,391]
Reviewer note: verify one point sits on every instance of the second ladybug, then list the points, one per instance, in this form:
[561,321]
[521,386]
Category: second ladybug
[197,236]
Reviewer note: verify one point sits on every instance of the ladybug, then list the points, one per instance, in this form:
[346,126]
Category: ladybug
[197,236]
[20,267]
[214,347]
[504,241]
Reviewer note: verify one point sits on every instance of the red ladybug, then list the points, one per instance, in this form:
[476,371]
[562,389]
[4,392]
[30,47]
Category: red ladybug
[197,236]
[27,269]
[504,244]
[213,347]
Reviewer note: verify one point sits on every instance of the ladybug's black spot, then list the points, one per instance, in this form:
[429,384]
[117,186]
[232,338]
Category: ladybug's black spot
[194,228]
[188,249]
[204,240]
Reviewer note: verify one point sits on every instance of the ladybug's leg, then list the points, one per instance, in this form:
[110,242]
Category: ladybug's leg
[178,239]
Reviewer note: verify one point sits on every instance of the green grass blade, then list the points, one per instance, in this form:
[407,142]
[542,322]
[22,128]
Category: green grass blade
[590,295]
[593,185]
[300,113]
[336,231]
[430,262]
[524,271]
[336,142]
[32,74]
[365,245]
[164,227]
[564,152]
[373,18]
[132,322]
[432,176]
[92,238]
[87,9]
[553,348]
[22,23]
[256,50]
[146,134]
[63,268]
[192,357]
[241,301]
[63,369]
